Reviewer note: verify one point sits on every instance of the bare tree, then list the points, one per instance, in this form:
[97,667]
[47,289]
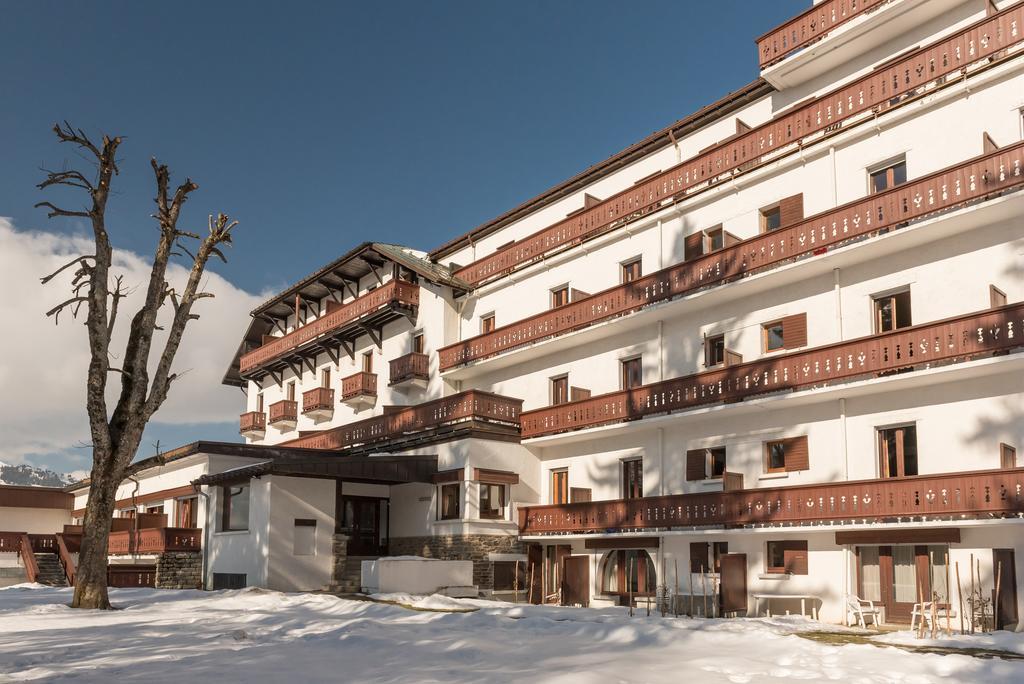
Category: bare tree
[116,434]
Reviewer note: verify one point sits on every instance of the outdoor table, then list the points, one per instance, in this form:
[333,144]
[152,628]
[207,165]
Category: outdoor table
[803,603]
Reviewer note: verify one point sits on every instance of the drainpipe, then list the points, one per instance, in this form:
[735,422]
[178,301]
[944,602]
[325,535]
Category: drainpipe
[135,521]
[835,188]
[661,350]
[661,461]
[837,290]
[198,488]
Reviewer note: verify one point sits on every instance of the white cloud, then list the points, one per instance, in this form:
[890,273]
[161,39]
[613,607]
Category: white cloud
[43,366]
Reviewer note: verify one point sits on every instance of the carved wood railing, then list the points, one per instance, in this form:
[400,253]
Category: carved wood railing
[413,365]
[967,494]
[953,339]
[950,188]
[252,421]
[155,540]
[392,293]
[974,47]
[809,27]
[468,405]
[28,558]
[318,399]
[283,410]
[359,384]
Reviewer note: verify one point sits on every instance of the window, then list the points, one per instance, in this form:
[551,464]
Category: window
[259,403]
[776,456]
[487,324]
[417,343]
[228,580]
[510,576]
[892,311]
[1007,456]
[897,451]
[155,509]
[786,455]
[714,350]
[559,390]
[702,464]
[716,462]
[127,513]
[629,571]
[715,239]
[560,486]
[633,479]
[631,270]
[771,219]
[788,557]
[304,537]
[234,507]
[888,177]
[632,373]
[773,336]
[325,377]
[187,512]
[492,501]
[368,362]
[291,391]
[449,501]
[559,296]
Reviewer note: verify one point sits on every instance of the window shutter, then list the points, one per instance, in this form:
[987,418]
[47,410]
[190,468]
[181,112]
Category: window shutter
[1007,456]
[693,246]
[794,331]
[732,358]
[696,464]
[996,297]
[577,295]
[699,557]
[791,210]
[579,495]
[797,454]
[578,394]
[795,557]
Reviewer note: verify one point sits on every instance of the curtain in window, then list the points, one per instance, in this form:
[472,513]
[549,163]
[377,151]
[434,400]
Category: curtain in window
[937,563]
[870,573]
[906,575]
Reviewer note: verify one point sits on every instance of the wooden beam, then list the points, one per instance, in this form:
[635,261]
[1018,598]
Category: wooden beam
[310,303]
[375,335]
[310,362]
[926,535]
[297,369]
[278,377]
[333,354]
[297,304]
[622,543]
[349,348]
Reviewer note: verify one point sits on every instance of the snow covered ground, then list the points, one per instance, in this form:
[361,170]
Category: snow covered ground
[261,636]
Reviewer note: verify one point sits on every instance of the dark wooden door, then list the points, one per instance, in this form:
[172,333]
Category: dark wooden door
[576,581]
[1003,563]
[361,519]
[633,479]
[734,582]
[534,571]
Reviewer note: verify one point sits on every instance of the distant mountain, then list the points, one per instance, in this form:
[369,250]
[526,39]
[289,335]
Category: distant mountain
[29,475]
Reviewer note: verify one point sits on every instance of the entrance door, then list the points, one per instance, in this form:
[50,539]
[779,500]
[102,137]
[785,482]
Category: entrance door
[734,582]
[576,583]
[1003,563]
[361,521]
[896,577]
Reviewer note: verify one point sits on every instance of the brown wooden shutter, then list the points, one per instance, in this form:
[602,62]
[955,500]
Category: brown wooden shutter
[578,394]
[791,210]
[794,331]
[731,239]
[696,464]
[795,557]
[577,295]
[534,571]
[797,454]
[996,297]
[988,145]
[1007,456]
[693,246]
[699,557]
[579,494]
[732,358]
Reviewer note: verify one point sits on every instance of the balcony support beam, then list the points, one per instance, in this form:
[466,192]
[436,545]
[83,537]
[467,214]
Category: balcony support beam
[375,335]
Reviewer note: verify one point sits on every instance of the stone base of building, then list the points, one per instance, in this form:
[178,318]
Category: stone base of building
[472,547]
[179,570]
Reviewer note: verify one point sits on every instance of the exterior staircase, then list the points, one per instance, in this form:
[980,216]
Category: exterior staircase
[350,581]
[51,572]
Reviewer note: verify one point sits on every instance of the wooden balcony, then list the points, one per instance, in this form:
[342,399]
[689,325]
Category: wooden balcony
[973,494]
[155,540]
[252,424]
[341,322]
[895,85]
[809,27]
[318,403]
[951,188]
[359,390]
[473,407]
[284,414]
[410,370]
[956,339]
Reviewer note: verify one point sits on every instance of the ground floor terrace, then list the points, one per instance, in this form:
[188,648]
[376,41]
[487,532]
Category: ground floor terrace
[265,636]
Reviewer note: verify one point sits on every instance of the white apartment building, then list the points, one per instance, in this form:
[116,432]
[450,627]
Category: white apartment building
[774,349]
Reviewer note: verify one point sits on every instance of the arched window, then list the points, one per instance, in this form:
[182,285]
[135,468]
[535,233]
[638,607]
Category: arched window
[628,571]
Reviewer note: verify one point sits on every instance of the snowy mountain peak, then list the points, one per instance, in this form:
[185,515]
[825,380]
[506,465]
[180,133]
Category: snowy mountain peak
[29,475]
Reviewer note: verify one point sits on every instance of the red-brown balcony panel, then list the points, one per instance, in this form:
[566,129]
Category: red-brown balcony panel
[410,370]
[253,424]
[156,540]
[905,80]
[973,494]
[949,189]
[809,28]
[318,403]
[951,340]
[493,411]
[284,414]
[342,321]
[359,390]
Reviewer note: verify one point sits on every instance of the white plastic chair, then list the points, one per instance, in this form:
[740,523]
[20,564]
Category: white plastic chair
[863,610]
[921,611]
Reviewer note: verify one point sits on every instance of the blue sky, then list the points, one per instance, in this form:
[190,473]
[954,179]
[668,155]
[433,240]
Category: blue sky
[320,125]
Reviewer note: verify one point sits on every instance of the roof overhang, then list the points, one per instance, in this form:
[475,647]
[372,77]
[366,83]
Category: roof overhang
[379,469]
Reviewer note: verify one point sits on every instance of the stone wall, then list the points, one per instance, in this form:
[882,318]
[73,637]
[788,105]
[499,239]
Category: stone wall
[474,547]
[179,570]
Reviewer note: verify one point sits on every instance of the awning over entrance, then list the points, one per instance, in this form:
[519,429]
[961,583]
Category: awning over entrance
[383,469]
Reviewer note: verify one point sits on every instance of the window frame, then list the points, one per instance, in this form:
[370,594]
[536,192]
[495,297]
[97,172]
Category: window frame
[627,267]
[709,470]
[888,169]
[783,545]
[629,366]
[226,506]
[558,480]
[558,293]
[709,345]
[367,366]
[499,512]
[443,513]
[418,342]
[882,447]
[632,467]
[764,217]
[325,377]
[488,323]
[765,327]
[554,382]
[768,456]
[891,297]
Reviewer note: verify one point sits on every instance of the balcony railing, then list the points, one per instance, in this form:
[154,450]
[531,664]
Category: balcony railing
[284,411]
[809,27]
[470,405]
[882,89]
[953,339]
[412,366]
[950,188]
[968,494]
[393,293]
[253,421]
[318,399]
[361,384]
[155,540]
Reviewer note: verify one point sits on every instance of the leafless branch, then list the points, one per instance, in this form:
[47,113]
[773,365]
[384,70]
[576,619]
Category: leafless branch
[74,302]
[57,211]
[68,177]
[80,260]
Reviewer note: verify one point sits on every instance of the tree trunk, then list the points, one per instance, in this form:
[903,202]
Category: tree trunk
[91,572]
